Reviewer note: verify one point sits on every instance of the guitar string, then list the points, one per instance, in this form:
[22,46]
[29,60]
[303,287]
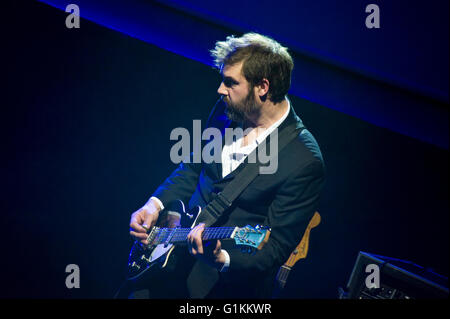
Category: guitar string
[281,276]
[181,233]
[285,274]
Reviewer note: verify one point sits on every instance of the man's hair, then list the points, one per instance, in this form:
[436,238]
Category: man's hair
[262,57]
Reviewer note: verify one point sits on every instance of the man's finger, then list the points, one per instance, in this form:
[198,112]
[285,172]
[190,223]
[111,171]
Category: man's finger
[191,241]
[134,225]
[138,235]
[191,248]
[149,221]
[218,247]
[198,237]
[144,242]
[194,232]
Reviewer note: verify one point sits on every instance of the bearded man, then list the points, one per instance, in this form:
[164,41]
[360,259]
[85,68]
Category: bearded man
[256,72]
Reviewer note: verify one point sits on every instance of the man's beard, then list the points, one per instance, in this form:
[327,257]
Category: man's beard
[238,112]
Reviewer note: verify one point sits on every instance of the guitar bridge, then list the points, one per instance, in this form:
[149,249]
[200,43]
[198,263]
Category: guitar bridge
[151,236]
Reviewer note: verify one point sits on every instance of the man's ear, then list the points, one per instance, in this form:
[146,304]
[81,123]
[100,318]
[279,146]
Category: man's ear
[263,87]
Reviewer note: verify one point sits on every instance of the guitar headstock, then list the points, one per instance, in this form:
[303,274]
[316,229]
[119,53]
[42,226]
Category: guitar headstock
[252,237]
[301,250]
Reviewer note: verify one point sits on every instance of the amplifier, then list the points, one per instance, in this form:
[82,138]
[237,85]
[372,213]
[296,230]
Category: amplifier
[380,277]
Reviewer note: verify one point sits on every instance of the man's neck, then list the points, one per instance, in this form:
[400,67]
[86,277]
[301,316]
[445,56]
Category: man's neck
[268,114]
[258,123]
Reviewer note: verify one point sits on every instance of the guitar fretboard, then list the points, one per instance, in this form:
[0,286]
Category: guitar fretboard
[178,235]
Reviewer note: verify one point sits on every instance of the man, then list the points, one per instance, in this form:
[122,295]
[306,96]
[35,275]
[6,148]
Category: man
[256,74]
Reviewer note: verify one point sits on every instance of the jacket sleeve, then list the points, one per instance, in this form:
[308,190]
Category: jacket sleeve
[180,184]
[289,214]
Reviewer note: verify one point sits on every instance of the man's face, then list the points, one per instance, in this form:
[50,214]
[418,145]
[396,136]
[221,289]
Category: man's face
[237,93]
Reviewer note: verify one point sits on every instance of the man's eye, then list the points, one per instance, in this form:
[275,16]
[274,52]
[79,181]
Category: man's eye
[229,82]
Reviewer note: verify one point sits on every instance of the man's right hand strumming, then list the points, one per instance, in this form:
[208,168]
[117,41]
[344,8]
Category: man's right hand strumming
[143,219]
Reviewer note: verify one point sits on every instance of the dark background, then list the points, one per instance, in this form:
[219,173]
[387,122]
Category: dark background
[86,118]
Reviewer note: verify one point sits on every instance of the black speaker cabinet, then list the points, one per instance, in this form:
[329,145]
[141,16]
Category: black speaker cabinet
[380,277]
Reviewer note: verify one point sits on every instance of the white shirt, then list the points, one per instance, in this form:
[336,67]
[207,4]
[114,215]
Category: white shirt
[233,155]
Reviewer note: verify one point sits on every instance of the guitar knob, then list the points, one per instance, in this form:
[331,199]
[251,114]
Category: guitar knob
[145,259]
[134,265]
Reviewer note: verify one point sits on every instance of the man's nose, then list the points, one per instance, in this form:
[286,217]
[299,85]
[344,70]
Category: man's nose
[221,90]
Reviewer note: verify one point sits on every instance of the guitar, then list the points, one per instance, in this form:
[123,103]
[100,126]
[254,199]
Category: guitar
[299,252]
[172,230]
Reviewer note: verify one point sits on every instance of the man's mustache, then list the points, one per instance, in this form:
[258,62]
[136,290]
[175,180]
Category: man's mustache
[225,99]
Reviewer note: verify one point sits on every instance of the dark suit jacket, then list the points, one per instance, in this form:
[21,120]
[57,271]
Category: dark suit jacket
[285,201]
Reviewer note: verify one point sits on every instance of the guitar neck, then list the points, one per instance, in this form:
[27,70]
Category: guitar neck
[179,235]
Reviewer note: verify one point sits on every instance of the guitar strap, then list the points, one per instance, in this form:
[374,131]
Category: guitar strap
[224,200]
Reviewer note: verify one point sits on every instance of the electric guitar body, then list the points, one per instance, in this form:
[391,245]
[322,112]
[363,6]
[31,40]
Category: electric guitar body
[156,256]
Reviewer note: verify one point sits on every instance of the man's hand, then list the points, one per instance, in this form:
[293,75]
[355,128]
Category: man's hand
[143,219]
[210,252]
